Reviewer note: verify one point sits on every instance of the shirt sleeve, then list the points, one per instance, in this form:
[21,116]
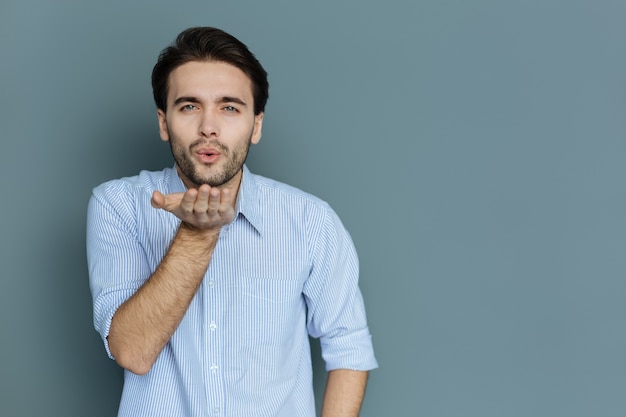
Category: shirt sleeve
[336,312]
[116,260]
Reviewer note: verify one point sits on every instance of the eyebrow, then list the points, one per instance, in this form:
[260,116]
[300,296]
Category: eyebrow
[228,99]
[225,99]
[186,100]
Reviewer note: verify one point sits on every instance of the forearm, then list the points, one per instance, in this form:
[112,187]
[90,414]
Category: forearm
[144,323]
[344,393]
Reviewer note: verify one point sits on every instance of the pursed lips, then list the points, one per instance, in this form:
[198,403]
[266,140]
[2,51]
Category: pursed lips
[207,155]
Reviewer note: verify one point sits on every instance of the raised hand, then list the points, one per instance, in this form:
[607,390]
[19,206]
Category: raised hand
[203,208]
[143,324]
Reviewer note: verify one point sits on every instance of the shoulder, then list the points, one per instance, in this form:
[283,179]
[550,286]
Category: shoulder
[145,182]
[285,197]
[281,202]
[270,188]
[129,196]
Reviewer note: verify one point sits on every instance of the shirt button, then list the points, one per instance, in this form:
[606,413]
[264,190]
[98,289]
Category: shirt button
[213,368]
[216,410]
[213,326]
[211,283]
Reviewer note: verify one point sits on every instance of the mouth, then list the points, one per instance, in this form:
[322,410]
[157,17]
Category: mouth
[207,155]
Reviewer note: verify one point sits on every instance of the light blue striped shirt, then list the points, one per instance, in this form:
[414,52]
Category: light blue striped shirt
[284,269]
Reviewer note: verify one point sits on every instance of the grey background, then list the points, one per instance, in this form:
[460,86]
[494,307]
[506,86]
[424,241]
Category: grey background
[474,149]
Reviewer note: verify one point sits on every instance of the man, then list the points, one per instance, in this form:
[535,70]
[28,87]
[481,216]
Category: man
[207,279]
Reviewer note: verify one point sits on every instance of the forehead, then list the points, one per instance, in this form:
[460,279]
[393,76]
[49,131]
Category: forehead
[209,80]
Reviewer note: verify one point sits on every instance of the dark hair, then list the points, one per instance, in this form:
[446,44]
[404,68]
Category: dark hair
[208,44]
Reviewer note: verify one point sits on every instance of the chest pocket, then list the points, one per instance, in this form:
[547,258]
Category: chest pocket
[272,310]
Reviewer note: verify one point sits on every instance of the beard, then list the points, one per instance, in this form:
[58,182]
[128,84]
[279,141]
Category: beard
[229,164]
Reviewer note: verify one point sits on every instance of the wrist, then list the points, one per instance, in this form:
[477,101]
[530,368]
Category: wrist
[189,230]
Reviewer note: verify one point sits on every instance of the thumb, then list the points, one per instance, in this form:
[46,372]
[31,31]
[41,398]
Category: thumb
[157,200]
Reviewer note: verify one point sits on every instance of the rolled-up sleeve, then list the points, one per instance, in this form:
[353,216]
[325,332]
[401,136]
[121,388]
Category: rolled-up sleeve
[116,259]
[336,312]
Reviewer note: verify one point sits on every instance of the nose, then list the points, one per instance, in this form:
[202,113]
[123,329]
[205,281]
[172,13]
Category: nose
[209,125]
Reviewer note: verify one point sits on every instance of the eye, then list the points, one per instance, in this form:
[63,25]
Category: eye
[231,109]
[189,107]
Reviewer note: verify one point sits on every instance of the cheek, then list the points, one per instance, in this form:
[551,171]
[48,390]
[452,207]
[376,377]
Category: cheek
[181,129]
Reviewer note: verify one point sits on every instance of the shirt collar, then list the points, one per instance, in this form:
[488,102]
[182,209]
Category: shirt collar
[248,203]
[247,200]
[175,183]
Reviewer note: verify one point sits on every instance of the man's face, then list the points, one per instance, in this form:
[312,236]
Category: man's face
[210,122]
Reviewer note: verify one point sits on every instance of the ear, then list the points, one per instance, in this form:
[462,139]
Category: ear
[165,136]
[258,127]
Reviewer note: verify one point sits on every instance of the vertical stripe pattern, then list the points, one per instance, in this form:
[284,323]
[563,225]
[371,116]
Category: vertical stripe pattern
[284,269]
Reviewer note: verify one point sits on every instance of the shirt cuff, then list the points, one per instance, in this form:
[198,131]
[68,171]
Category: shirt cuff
[353,351]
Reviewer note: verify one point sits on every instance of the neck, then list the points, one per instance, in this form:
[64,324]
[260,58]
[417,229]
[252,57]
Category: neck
[232,184]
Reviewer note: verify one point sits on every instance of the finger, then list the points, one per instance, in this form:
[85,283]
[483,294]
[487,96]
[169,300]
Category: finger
[167,202]
[157,200]
[188,201]
[202,200]
[214,201]
[225,201]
